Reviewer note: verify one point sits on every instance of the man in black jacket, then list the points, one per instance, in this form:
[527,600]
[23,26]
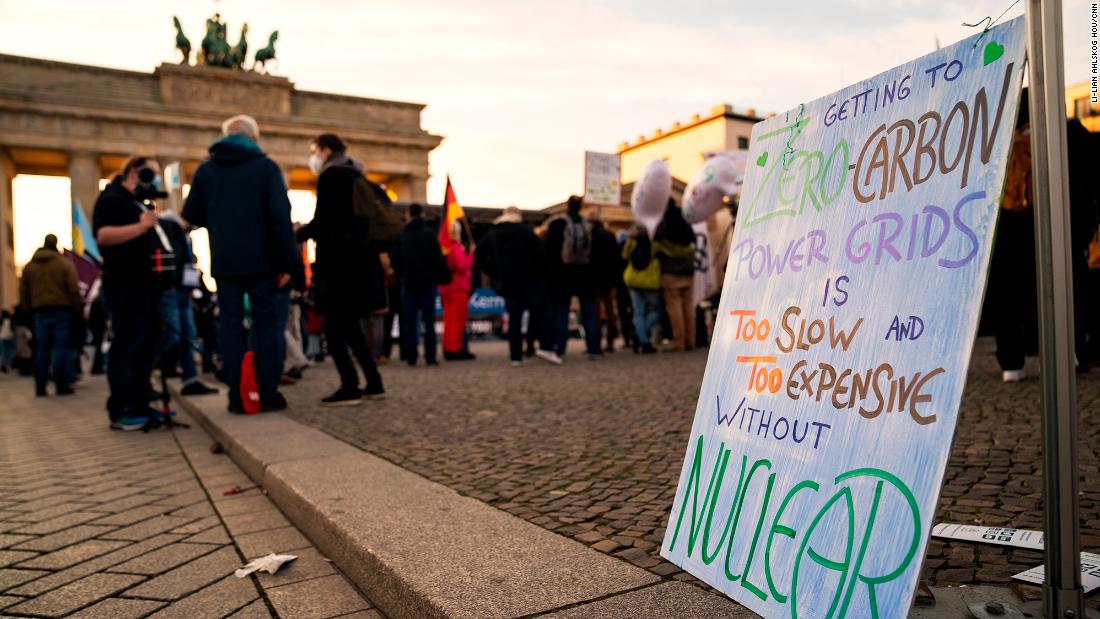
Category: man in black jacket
[124,232]
[349,281]
[420,265]
[513,257]
[240,196]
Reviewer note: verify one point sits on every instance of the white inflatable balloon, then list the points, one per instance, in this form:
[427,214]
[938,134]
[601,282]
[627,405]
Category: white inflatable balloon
[651,193]
[721,175]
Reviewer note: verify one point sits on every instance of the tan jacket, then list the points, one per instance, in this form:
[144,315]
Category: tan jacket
[49,280]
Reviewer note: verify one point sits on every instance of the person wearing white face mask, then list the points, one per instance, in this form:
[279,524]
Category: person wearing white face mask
[349,280]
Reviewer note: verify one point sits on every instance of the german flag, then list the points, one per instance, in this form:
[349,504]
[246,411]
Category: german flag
[452,212]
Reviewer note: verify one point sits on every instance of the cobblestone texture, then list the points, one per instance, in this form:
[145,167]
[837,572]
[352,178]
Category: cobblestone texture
[593,450]
[95,523]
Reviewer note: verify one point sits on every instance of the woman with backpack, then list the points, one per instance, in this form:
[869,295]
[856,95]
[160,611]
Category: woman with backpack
[643,278]
[675,248]
[348,279]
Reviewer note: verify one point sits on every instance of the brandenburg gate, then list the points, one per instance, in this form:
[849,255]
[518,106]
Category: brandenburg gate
[83,122]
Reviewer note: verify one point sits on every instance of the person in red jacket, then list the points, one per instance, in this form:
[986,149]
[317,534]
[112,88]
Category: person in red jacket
[456,298]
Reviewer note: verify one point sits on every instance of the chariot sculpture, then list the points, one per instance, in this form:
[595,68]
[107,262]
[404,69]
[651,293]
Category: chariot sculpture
[215,50]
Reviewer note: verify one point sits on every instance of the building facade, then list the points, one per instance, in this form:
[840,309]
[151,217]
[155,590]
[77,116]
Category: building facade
[1080,105]
[83,122]
[683,145]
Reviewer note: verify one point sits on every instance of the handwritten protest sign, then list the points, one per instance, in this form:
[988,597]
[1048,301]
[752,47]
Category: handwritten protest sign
[601,178]
[850,303]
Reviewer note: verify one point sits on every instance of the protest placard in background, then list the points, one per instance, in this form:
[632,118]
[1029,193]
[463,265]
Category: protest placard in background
[850,303]
[601,178]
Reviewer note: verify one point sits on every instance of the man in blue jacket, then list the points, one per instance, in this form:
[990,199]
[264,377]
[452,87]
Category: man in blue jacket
[240,197]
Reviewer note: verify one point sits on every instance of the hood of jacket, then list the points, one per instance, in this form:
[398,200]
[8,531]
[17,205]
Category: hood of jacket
[346,163]
[234,149]
[44,254]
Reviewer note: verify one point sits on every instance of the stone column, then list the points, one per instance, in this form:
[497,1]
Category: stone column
[84,179]
[9,287]
[417,188]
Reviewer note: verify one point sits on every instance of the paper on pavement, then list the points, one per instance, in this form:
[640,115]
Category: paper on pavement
[1020,538]
[270,564]
[1090,573]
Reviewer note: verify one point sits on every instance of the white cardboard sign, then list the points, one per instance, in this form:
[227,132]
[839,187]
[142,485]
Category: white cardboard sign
[843,338]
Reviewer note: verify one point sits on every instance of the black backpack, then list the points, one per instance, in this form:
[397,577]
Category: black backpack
[369,202]
[576,246]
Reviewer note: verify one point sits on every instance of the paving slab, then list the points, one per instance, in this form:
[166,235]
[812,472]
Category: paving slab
[119,608]
[386,528]
[65,600]
[187,578]
[329,596]
[118,525]
[667,599]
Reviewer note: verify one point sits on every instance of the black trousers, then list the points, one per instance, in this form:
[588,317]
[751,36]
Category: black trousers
[135,330]
[343,332]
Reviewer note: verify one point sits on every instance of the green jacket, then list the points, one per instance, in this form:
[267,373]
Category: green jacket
[648,278]
[49,281]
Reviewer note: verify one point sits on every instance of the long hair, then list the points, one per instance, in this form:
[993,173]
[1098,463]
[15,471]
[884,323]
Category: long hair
[674,228]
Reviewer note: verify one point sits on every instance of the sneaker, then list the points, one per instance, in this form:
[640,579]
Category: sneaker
[374,393]
[129,424]
[276,404]
[1012,376]
[517,364]
[197,388]
[648,349]
[549,356]
[344,396]
[65,391]
[595,356]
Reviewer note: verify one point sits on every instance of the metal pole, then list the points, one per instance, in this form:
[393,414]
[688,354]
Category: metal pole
[1063,596]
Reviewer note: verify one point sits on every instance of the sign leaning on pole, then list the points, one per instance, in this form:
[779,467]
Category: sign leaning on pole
[601,178]
[850,304]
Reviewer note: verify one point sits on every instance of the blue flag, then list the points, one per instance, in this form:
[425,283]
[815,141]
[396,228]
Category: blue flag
[83,240]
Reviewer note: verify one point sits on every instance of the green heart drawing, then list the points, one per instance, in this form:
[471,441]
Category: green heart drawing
[762,159]
[993,51]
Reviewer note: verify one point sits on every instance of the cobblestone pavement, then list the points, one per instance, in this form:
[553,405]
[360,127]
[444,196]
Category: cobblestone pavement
[593,450]
[95,523]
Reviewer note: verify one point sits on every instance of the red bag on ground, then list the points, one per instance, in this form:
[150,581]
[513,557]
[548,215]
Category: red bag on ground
[250,390]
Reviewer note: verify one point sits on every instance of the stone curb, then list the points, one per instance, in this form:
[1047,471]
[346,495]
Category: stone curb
[415,547]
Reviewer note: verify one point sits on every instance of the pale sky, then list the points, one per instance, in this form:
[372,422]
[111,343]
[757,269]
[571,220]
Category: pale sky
[521,89]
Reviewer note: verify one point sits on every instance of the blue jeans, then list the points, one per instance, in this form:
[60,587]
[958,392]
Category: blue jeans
[418,306]
[261,290]
[647,311]
[179,328]
[52,329]
[282,315]
[135,324]
[560,322]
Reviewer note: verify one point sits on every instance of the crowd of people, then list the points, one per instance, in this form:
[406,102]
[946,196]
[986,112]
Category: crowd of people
[273,315]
